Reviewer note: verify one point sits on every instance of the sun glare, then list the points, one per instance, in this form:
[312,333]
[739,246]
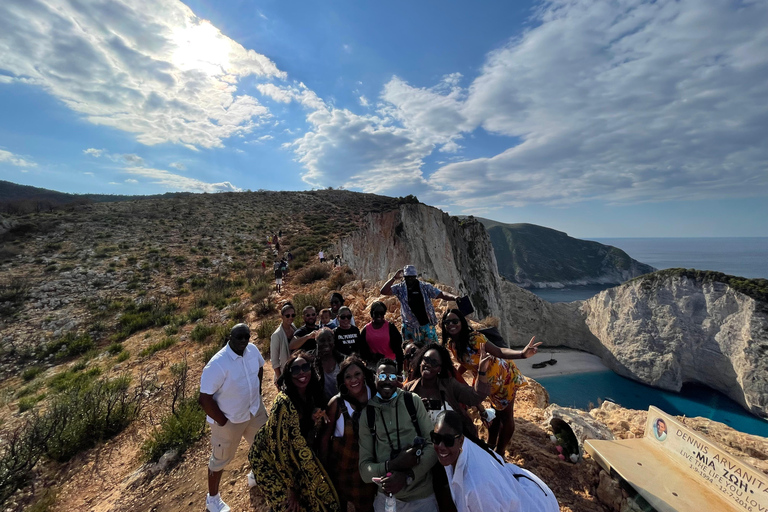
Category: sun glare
[201,47]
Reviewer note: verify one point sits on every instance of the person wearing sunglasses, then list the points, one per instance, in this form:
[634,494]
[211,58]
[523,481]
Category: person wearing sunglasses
[288,473]
[479,479]
[393,451]
[416,309]
[230,395]
[436,382]
[381,338]
[304,337]
[340,447]
[347,336]
[278,343]
[502,374]
[336,301]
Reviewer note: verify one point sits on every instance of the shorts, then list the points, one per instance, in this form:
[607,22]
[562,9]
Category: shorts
[226,439]
[422,335]
[278,280]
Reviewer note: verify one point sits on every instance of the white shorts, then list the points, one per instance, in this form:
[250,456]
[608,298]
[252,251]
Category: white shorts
[278,280]
[226,439]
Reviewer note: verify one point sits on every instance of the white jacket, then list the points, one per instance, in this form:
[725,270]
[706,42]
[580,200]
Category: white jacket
[480,484]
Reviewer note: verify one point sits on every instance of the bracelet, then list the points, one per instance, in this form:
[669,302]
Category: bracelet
[482,374]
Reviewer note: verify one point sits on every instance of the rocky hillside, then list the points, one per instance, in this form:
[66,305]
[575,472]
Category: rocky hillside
[677,326]
[538,257]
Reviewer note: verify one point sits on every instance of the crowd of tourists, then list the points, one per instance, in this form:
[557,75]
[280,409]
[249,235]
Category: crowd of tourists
[378,417]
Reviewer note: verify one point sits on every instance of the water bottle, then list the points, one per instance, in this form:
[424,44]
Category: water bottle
[390,505]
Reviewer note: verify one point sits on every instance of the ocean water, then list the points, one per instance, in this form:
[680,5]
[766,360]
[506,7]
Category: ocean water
[583,390]
[745,257]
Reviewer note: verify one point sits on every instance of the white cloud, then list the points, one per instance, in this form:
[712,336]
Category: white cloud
[266,137]
[364,101]
[94,152]
[178,166]
[5,79]
[10,158]
[174,182]
[89,174]
[127,158]
[147,67]
[131,180]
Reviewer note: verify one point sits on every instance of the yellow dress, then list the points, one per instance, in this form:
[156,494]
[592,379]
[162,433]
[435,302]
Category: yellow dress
[282,460]
[503,376]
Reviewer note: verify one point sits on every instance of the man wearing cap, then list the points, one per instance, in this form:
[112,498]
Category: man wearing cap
[416,308]
[230,394]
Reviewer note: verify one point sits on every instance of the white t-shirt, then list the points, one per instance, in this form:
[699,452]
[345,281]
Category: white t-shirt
[234,382]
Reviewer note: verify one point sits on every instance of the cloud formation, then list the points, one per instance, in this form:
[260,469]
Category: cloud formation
[619,102]
[147,67]
[15,160]
[174,182]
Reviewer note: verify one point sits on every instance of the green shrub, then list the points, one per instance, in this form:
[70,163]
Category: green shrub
[124,356]
[148,314]
[178,430]
[70,379]
[27,403]
[264,307]
[31,372]
[29,390]
[312,273]
[201,332]
[340,277]
[195,314]
[157,347]
[264,332]
[238,312]
[302,300]
[115,348]
[75,345]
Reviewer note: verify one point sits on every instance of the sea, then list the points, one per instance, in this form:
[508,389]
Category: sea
[744,257]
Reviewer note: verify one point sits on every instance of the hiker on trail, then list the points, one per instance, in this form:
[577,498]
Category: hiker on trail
[381,338]
[280,233]
[416,308]
[340,445]
[392,446]
[289,256]
[505,378]
[279,353]
[436,382]
[288,473]
[337,261]
[321,255]
[347,336]
[479,479]
[278,277]
[304,337]
[284,266]
[263,266]
[230,395]
[336,301]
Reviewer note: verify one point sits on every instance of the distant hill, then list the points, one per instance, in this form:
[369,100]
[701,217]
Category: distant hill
[13,191]
[538,257]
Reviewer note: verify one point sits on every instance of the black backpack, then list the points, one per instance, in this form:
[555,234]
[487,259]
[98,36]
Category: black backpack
[370,412]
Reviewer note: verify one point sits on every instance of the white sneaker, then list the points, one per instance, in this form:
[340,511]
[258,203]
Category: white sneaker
[251,480]
[216,504]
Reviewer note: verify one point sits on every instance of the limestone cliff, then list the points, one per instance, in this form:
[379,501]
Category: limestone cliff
[670,328]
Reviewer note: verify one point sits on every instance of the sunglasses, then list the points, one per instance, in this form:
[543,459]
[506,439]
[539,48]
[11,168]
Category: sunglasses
[448,440]
[345,317]
[431,362]
[452,321]
[300,368]
[290,316]
[310,315]
[386,376]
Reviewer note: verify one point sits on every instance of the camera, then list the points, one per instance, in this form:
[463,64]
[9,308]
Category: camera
[418,444]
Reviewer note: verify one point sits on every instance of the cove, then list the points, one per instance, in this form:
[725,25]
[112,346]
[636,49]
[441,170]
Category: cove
[582,389]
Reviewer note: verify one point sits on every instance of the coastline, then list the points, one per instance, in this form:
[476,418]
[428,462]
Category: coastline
[568,362]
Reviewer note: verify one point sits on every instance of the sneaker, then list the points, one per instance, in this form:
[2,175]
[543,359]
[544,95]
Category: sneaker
[251,480]
[216,504]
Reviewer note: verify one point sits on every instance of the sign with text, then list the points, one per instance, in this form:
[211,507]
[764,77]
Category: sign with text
[737,482]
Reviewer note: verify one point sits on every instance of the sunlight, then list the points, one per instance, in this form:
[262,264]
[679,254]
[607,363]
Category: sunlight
[201,47]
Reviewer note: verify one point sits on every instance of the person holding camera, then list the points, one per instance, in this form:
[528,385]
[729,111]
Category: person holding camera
[393,451]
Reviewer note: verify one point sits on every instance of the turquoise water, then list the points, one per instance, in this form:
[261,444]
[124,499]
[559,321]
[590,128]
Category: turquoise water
[582,389]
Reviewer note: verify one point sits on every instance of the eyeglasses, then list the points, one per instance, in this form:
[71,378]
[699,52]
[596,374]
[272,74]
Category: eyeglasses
[300,368]
[448,440]
[386,376]
[289,316]
[345,317]
[431,361]
[451,321]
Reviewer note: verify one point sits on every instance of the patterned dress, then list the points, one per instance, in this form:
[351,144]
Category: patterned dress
[503,376]
[345,455]
[281,460]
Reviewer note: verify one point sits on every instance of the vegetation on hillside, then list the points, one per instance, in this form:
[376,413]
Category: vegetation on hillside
[754,288]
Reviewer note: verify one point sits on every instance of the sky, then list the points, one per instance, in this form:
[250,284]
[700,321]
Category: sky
[600,118]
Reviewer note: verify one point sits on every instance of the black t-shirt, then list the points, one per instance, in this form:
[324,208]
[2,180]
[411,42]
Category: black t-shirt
[303,331]
[416,303]
[278,273]
[347,341]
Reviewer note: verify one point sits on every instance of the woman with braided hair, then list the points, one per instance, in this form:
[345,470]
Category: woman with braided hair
[340,448]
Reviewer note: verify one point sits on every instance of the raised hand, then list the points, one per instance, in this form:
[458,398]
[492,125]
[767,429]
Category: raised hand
[531,348]
[485,359]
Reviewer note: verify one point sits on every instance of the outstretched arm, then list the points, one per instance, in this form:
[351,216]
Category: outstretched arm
[507,353]
[387,288]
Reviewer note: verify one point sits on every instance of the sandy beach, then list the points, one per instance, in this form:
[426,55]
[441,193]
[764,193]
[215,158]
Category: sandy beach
[568,362]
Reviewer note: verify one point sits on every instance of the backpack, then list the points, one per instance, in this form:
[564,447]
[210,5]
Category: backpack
[370,412]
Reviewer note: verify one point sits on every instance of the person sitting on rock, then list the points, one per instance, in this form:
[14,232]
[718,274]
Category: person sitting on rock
[416,308]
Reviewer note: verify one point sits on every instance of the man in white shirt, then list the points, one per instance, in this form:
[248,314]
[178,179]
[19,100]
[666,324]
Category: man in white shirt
[230,394]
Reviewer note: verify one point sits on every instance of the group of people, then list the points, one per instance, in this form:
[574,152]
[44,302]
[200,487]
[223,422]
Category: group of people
[377,418]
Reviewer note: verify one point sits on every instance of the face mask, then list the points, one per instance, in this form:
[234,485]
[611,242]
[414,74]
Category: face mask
[378,395]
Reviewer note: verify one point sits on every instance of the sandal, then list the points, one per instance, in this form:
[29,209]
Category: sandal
[539,365]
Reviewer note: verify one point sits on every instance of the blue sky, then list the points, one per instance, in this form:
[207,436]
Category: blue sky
[601,119]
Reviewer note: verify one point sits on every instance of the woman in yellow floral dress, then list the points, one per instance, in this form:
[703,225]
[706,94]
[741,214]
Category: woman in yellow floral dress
[503,376]
[287,471]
